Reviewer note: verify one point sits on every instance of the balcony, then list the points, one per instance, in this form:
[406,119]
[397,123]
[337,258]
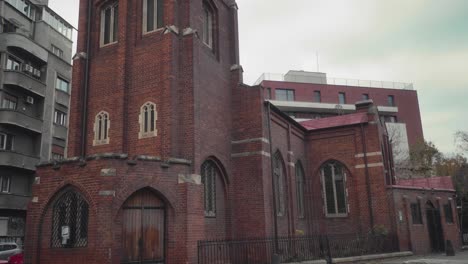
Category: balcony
[18,160]
[60,132]
[24,43]
[21,120]
[14,201]
[24,81]
[309,107]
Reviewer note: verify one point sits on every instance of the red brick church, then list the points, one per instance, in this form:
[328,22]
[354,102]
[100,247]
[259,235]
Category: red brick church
[168,147]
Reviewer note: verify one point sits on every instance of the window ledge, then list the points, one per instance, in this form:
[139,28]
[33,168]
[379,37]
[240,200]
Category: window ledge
[147,33]
[336,215]
[108,44]
[148,134]
[101,142]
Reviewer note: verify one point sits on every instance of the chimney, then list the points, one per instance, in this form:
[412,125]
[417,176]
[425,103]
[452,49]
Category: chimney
[366,106]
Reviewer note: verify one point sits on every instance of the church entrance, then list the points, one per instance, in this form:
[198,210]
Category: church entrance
[434,227]
[143,229]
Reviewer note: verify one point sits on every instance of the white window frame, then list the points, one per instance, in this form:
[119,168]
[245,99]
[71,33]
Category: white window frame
[60,80]
[112,39]
[8,184]
[60,118]
[155,17]
[322,172]
[208,20]
[141,120]
[103,137]
[5,138]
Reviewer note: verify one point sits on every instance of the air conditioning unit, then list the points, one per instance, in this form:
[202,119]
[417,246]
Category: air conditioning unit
[27,68]
[37,73]
[29,99]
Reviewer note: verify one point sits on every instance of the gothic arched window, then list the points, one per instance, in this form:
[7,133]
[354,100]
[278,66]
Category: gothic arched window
[70,221]
[148,117]
[278,171]
[300,189]
[209,173]
[101,128]
[334,188]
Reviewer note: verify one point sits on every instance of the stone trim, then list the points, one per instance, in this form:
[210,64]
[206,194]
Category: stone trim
[368,154]
[247,154]
[190,178]
[107,193]
[369,165]
[108,172]
[262,139]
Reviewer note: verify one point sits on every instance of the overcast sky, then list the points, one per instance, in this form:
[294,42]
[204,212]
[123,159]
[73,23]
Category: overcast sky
[424,42]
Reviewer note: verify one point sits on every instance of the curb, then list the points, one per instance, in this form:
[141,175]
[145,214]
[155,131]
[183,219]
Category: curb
[360,258]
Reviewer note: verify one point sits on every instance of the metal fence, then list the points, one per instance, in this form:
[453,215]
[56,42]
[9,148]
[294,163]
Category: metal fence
[465,238]
[293,249]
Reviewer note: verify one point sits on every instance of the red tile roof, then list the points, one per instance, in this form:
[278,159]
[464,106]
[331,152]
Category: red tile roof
[336,121]
[444,183]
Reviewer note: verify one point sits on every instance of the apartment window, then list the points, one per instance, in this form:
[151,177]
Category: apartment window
[208,21]
[9,101]
[334,188]
[152,15]
[5,182]
[342,98]
[209,173]
[24,7]
[284,95]
[148,117]
[8,27]
[101,129]
[6,141]
[70,221]
[62,85]
[109,24]
[278,171]
[13,64]
[391,100]
[365,96]
[58,52]
[57,23]
[268,93]
[60,118]
[317,96]
[300,189]
[416,213]
[448,212]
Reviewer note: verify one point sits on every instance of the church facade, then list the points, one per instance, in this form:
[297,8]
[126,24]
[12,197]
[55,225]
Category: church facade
[168,147]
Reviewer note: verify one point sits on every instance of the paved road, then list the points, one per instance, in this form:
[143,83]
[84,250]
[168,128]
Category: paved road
[460,258]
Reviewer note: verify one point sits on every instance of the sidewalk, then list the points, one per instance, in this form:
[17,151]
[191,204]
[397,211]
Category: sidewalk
[461,257]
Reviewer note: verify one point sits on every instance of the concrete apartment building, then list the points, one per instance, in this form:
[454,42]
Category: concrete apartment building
[35,78]
[311,95]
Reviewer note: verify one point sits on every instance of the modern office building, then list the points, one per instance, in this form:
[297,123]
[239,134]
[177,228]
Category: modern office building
[35,74]
[311,95]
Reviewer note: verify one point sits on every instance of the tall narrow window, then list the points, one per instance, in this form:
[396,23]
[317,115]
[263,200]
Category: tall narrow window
[448,212]
[209,173]
[334,188]
[300,189]
[365,96]
[416,213]
[208,21]
[152,15]
[342,98]
[148,117]
[5,182]
[101,129]
[109,24]
[391,100]
[6,141]
[70,221]
[317,96]
[278,168]
[9,101]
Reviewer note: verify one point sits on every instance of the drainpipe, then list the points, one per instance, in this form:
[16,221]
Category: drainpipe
[275,220]
[84,118]
[369,197]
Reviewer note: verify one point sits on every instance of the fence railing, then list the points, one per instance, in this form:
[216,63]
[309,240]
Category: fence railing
[465,238]
[15,239]
[293,249]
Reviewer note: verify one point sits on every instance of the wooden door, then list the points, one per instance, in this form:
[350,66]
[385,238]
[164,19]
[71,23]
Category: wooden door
[143,229]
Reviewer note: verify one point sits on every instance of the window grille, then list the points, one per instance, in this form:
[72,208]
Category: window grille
[334,187]
[300,189]
[279,184]
[70,221]
[148,117]
[101,128]
[209,173]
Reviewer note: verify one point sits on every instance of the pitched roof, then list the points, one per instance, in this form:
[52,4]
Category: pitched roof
[335,121]
[444,183]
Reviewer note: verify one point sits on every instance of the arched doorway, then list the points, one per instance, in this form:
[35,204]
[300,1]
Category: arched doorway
[434,227]
[143,230]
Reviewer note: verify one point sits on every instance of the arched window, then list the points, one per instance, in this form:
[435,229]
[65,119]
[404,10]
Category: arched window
[334,188]
[278,170]
[209,173]
[70,221]
[300,189]
[148,117]
[101,128]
